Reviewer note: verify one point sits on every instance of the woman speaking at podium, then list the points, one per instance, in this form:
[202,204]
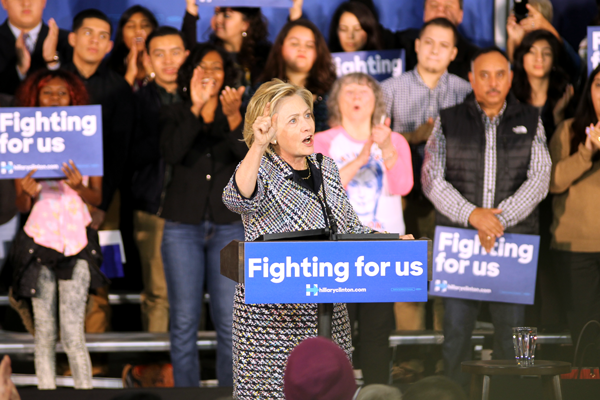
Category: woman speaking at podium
[281,186]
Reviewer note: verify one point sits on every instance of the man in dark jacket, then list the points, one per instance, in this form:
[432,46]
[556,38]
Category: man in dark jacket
[486,167]
[28,44]
[167,51]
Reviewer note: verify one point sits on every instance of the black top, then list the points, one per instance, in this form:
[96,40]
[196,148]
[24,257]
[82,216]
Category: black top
[406,40]
[8,206]
[203,158]
[9,78]
[112,92]
[148,166]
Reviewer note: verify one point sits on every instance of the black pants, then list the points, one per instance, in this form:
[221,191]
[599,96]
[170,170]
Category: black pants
[375,323]
[580,290]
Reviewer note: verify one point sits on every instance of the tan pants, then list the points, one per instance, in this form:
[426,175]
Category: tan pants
[148,233]
[419,217]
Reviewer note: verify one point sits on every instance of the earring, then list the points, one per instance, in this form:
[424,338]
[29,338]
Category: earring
[274,142]
[244,34]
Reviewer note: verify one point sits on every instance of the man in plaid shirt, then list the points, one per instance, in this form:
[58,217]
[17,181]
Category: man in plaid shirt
[486,167]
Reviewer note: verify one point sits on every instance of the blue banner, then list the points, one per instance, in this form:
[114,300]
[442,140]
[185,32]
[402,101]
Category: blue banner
[43,138]
[380,64]
[462,269]
[593,48]
[246,3]
[335,272]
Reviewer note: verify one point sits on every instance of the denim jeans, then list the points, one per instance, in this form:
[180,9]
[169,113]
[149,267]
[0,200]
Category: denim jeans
[459,322]
[191,257]
[8,230]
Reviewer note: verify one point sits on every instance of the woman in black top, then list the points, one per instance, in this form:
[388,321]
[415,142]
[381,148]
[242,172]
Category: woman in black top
[201,140]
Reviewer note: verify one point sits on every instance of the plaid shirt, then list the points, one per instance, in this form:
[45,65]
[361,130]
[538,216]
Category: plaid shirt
[410,102]
[515,208]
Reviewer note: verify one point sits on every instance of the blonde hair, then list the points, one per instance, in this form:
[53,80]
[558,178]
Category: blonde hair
[333,105]
[271,92]
[544,7]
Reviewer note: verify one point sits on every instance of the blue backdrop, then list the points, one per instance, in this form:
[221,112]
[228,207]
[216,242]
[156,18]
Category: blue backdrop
[394,14]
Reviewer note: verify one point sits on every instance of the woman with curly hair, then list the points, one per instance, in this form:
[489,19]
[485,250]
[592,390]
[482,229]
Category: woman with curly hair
[300,56]
[127,58]
[56,257]
[240,31]
[201,139]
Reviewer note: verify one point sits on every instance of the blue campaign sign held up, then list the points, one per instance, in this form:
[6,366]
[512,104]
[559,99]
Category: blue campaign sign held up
[380,64]
[247,3]
[463,270]
[593,47]
[43,138]
[335,272]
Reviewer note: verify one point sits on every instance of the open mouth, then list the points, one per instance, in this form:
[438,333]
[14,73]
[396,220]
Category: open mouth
[308,140]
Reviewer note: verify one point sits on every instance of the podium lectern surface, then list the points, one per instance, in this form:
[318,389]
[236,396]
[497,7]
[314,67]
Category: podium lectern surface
[329,271]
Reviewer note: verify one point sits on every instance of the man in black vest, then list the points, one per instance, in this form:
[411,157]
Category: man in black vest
[28,44]
[486,167]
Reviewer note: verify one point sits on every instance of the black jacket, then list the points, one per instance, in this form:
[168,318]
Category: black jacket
[464,131]
[112,92]
[9,78]
[148,166]
[203,157]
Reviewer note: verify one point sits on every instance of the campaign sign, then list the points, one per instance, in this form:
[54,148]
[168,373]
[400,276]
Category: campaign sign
[335,272]
[43,138]
[462,268]
[247,3]
[380,64]
[593,47]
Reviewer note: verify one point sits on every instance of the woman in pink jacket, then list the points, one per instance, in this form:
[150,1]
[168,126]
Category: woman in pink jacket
[376,171]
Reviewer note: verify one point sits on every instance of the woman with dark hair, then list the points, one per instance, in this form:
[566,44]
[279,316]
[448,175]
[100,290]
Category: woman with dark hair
[201,141]
[127,58]
[300,56]
[241,31]
[575,183]
[354,28]
[539,79]
[56,256]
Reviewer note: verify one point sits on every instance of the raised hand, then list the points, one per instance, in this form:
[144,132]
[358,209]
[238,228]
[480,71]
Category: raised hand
[51,41]
[8,391]
[382,134]
[201,90]
[231,100]
[30,185]
[296,10]
[592,142]
[559,109]
[265,127]
[191,7]
[23,56]
[514,31]
[74,178]
[535,20]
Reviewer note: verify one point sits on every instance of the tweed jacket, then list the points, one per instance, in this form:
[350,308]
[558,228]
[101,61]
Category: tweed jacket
[279,204]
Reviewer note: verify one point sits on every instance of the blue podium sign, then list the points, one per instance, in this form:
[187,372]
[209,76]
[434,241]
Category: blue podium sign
[44,138]
[335,272]
[462,268]
[593,48]
[380,64]
[247,3]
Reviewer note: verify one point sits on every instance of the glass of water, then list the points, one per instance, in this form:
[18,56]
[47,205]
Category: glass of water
[524,339]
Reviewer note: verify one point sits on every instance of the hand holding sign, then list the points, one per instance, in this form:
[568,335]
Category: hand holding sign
[488,225]
[30,185]
[265,127]
[74,178]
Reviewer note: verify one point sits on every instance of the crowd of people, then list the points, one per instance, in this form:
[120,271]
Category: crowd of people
[236,137]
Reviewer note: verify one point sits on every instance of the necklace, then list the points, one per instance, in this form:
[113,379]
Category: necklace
[307,167]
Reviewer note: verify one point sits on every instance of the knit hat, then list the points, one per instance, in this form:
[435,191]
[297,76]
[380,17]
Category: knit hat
[317,369]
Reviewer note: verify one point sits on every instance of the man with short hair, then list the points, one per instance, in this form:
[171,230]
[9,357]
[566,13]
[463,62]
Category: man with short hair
[486,167]
[91,42]
[28,44]
[452,10]
[414,100]
[166,51]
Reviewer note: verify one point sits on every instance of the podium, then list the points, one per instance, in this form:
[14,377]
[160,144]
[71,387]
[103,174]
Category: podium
[319,267]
